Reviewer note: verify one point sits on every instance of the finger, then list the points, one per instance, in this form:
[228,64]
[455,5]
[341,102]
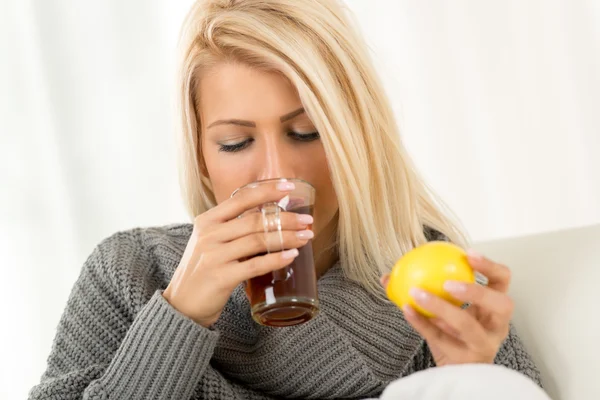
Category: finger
[434,336]
[248,199]
[489,300]
[253,223]
[498,275]
[260,265]
[384,280]
[469,330]
[444,327]
[439,341]
[260,243]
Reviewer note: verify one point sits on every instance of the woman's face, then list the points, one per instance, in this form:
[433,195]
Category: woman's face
[254,128]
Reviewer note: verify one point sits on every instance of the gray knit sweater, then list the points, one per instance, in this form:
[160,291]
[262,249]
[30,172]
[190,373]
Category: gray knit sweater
[119,339]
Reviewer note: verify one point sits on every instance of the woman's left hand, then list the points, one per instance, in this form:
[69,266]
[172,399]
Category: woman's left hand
[471,335]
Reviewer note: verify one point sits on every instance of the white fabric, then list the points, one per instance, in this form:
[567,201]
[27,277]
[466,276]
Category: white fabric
[497,101]
[465,382]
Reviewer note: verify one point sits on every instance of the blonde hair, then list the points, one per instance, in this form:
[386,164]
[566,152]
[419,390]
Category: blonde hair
[384,205]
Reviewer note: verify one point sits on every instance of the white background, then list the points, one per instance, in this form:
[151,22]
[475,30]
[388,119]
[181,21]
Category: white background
[497,102]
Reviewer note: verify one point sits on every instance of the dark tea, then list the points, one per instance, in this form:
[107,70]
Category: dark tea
[289,301]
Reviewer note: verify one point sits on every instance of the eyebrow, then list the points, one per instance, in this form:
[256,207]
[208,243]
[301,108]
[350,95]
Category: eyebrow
[291,115]
[252,124]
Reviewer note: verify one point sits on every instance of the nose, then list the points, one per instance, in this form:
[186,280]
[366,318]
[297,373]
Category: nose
[274,163]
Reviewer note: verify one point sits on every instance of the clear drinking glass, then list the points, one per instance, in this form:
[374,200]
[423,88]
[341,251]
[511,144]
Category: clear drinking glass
[288,296]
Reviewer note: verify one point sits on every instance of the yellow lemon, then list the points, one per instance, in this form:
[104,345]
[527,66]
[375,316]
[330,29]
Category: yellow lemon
[427,267]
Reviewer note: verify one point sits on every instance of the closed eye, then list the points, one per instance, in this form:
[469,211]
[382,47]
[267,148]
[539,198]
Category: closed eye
[300,137]
[232,148]
[304,137]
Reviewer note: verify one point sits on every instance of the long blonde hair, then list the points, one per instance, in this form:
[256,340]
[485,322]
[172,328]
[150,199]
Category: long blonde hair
[384,204]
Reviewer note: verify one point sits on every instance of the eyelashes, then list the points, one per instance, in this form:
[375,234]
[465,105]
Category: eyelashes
[304,137]
[300,137]
[232,148]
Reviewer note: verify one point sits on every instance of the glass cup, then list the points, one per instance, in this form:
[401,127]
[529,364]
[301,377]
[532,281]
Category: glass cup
[287,296]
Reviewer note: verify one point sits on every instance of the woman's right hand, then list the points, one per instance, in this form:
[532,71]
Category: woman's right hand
[211,268]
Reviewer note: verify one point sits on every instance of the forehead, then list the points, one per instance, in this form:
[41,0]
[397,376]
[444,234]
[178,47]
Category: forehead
[234,90]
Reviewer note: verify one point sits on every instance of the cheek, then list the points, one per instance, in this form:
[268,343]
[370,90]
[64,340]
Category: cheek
[326,208]
[326,203]
[326,200]
[226,174]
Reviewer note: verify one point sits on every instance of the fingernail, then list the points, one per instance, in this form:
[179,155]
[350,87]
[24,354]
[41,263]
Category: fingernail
[305,235]
[288,254]
[455,287]
[474,255]
[409,311]
[419,295]
[305,219]
[285,186]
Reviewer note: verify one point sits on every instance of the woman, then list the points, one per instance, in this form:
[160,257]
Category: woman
[275,88]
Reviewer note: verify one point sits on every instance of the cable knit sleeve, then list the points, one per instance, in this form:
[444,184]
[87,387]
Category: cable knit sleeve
[422,360]
[512,354]
[104,350]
